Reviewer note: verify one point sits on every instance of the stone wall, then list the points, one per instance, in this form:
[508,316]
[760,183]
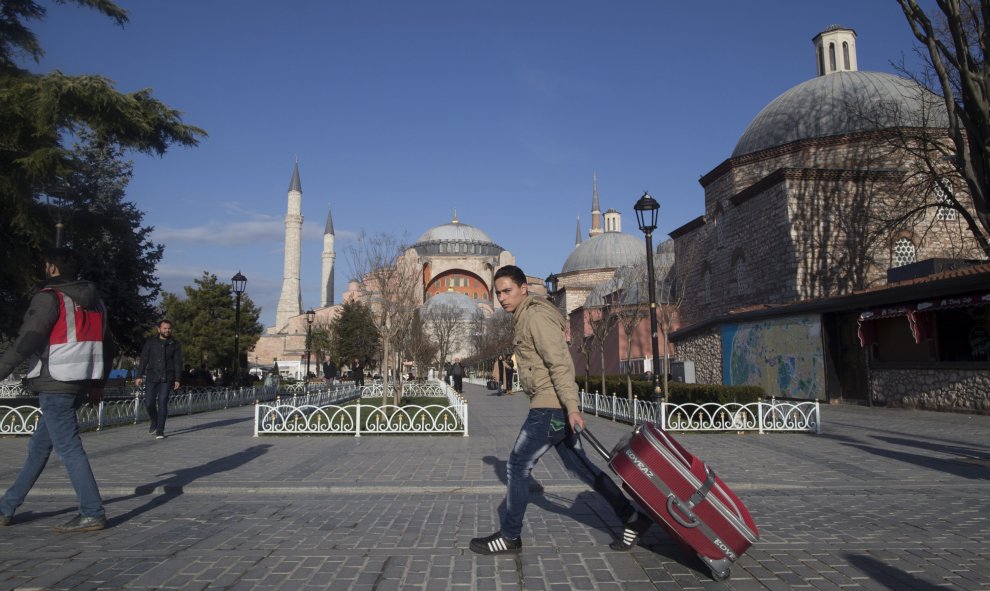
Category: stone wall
[705,350]
[932,388]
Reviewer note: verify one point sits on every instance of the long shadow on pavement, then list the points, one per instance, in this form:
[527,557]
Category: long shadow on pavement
[213,425]
[954,466]
[889,576]
[174,484]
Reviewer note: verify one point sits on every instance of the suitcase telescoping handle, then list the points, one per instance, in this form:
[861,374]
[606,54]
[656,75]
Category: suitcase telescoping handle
[593,441]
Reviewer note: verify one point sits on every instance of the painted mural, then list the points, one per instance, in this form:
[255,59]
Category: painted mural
[785,356]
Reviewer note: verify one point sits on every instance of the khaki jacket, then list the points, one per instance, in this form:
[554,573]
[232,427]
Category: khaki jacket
[544,364]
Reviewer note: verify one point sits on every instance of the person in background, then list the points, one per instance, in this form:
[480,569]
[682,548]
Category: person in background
[457,373]
[160,368]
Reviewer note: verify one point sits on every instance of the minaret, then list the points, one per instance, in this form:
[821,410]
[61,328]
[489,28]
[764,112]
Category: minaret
[596,213]
[290,302]
[577,238]
[326,295]
[835,50]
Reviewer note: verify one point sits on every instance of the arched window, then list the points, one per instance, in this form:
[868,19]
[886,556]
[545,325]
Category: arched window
[719,226]
[707,278]
[741,275]
[905,252]
[845,55]
[821,62]
[944,212]
[831,56]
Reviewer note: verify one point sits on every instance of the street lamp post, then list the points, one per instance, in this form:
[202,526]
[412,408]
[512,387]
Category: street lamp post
[647,210]
[310,316]
[240,283]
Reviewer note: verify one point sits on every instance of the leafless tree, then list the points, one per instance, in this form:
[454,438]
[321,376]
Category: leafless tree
[955,42]
[584,345]
[603,319]
[419,346]
[633,308]
[671,276]
[389,284]
[445,323]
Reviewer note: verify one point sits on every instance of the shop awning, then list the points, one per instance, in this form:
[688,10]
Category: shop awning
[920,315]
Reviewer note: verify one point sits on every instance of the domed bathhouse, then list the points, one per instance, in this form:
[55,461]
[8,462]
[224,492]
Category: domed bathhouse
[804,227]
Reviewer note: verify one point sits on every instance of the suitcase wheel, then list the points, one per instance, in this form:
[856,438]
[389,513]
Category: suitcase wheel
[721,569]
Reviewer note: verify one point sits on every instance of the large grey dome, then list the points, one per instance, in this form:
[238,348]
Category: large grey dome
[456,239]
[606,251]
[455,231]
[834,104]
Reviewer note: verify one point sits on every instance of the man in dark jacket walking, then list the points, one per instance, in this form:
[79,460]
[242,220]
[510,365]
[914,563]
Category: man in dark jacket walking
[160,367]
[457,373]
[65,333]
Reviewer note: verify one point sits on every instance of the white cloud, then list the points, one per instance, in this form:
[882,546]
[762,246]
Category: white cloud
[234,233]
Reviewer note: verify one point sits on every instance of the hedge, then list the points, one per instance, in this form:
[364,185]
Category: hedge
[679,392]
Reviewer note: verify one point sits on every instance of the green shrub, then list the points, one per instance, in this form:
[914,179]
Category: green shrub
[679,392]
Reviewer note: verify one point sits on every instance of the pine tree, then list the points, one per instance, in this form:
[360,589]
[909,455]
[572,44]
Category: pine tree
[203,322]
[40,115]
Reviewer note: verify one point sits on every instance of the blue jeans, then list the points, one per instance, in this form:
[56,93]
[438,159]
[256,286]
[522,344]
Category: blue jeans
[156,401]
[545,428]
[56,429]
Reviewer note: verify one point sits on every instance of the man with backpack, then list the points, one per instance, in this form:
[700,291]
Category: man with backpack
[65,334]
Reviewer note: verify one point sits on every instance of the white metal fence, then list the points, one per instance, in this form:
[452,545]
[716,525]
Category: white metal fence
[130,409]
[316,414]
[775,415]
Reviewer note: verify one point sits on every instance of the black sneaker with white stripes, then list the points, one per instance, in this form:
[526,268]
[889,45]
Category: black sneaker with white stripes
[632,532]
[496,544]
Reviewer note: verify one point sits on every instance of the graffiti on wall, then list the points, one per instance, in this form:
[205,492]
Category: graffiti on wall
[783,355]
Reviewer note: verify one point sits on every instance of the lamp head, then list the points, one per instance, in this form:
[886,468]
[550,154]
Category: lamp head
[240,283]
[647,211]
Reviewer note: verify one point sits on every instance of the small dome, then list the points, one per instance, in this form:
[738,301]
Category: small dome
[610,250]
[455,231]
[467,306]
[834,105]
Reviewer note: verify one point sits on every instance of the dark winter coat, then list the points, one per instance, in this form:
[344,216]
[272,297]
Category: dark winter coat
[161,360]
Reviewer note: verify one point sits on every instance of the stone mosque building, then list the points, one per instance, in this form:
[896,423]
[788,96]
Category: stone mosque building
[796,240]
[457,262]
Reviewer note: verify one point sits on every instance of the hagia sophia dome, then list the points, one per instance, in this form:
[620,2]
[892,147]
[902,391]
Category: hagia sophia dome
[456,237]
[844,101]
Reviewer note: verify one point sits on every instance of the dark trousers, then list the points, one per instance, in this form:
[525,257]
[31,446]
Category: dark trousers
[458,384]
[156,401]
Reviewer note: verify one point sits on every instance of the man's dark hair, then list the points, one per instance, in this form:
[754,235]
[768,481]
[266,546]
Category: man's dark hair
[165,321]
[512,272]
[64,260]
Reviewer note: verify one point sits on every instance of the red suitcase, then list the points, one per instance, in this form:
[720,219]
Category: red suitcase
[683,495]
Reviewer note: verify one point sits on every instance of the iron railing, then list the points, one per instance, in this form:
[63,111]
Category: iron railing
[772,415]
[323,416]
[127,407]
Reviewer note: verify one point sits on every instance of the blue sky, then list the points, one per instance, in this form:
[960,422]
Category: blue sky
[401,112]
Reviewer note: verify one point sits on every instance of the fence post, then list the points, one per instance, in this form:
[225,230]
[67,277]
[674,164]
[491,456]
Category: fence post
[635,417]
[759,409]
[137,403]
[818,418]
[663,415]
[257,417]
[357,422]
[464,410]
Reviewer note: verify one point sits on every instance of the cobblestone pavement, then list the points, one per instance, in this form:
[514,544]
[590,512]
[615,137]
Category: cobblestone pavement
[882,499]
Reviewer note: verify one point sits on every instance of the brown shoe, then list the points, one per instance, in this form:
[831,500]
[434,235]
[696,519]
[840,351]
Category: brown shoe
[5,520]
